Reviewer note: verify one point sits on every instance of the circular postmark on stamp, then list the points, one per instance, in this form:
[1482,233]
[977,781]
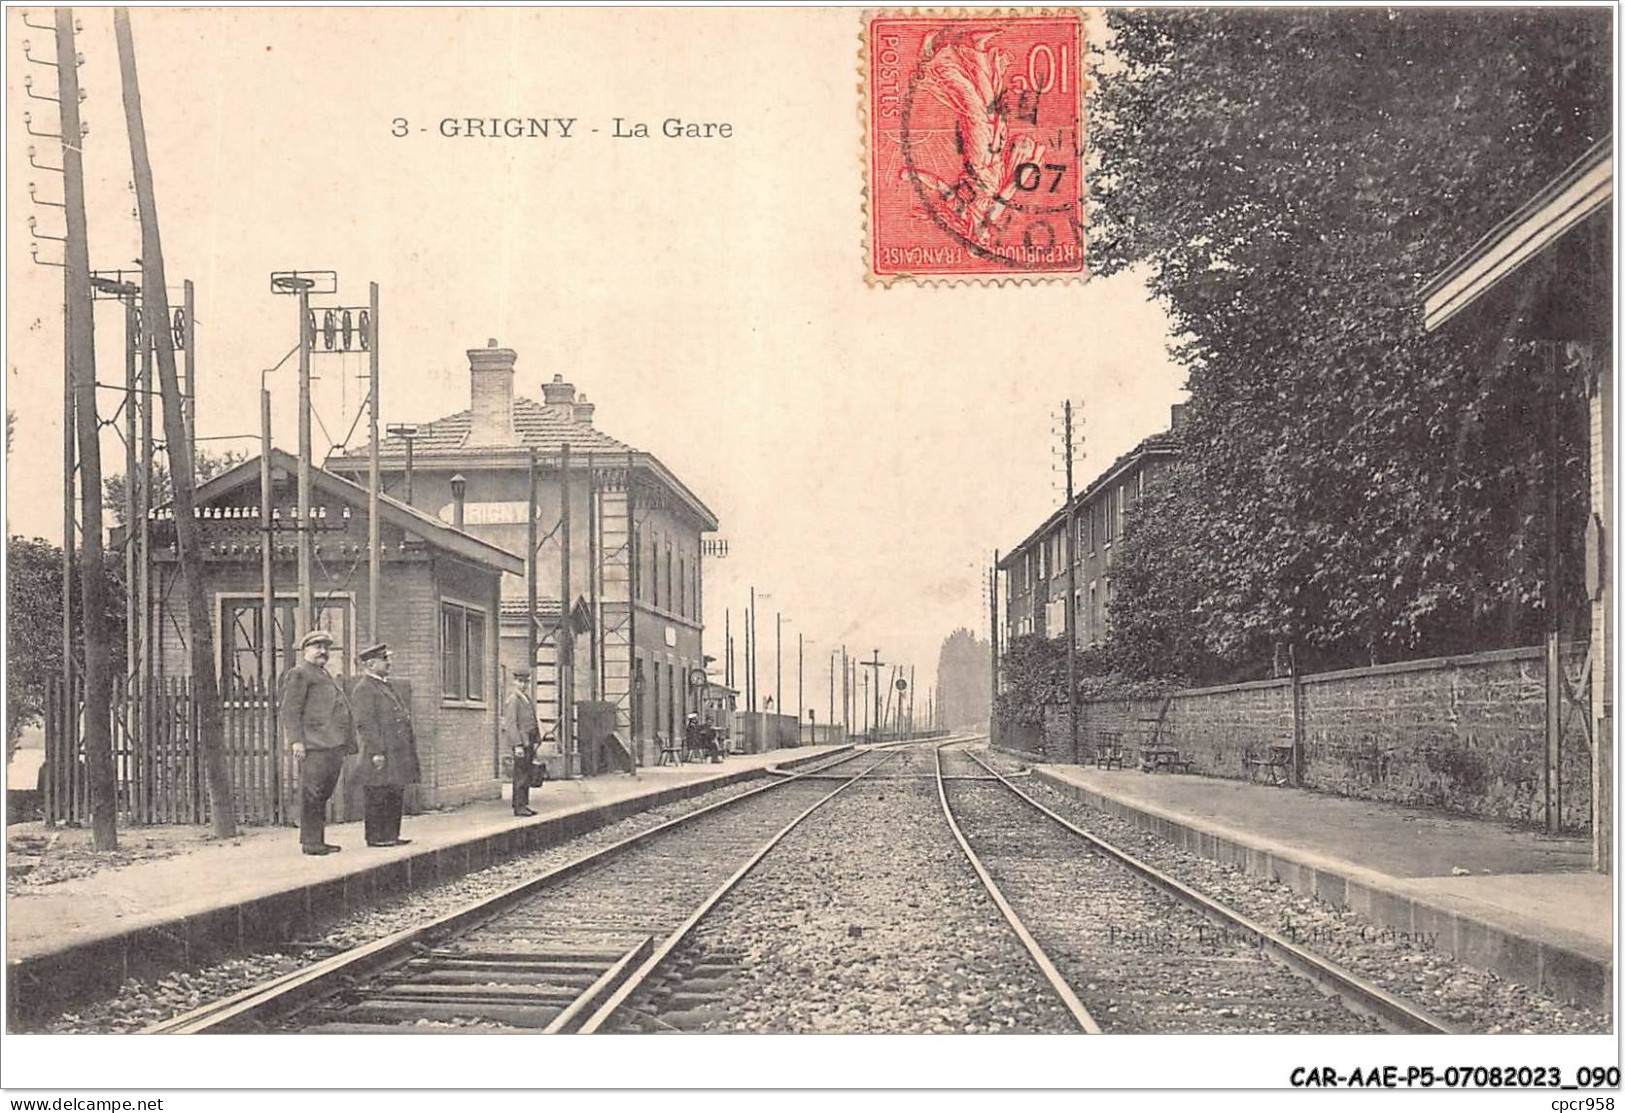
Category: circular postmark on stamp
[989,143]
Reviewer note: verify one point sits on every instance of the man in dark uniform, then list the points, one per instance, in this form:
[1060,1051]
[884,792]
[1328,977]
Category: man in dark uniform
[316,721]
[522,735]
[389,756]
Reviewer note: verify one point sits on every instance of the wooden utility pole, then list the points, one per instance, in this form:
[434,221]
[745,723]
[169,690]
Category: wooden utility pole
[132,480]
[81,348]
[1553,601]
[530,581]
[268,593]
[374,536]
[210,740]
[1070,549]
[303,535]
[750,653]
[594,570]
[874,664]
[189,347]
[800,694]
[567,687]
[993,652]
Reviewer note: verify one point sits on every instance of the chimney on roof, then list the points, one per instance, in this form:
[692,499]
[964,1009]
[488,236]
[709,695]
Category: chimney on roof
[1176,417]
[560,398]
[583,410]
[490,374]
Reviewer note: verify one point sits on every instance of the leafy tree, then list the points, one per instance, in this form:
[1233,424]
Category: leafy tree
[963,679]
[1355,487]
[34,627]
[1033,673]
[1155,629]
[208,465]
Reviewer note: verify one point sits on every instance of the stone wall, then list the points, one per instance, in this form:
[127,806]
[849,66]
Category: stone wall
[1464,734]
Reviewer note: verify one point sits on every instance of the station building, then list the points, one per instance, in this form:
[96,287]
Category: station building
[433,576]
[620,588]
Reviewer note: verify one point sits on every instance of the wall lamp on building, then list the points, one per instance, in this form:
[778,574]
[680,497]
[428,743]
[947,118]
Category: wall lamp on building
[459,488]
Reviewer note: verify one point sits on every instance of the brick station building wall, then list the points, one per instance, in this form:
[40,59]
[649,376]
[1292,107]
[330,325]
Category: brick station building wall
[1465,734]
[462,762]
[456,741]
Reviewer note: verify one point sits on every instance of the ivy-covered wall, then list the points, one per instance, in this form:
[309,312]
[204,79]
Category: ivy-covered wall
[1465,734]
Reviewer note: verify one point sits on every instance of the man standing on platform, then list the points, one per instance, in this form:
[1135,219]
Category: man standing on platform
[389,756]
[519,730]
[316,721]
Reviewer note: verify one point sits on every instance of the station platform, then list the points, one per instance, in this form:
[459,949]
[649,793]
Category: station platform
[78,937]
[1522,904]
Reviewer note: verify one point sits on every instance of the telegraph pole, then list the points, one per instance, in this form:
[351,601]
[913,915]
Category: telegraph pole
[778,663]
[268,588]
[81,354]
[832,689]
[307,598]
[993,655]
[752,645]
[1071,593]
[223,811]
[374,537]
[567,686]
[530,580]
[800,695]
[875,664]
[189,347]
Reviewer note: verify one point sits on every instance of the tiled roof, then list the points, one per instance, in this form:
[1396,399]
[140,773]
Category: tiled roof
[536,425]
[516,608]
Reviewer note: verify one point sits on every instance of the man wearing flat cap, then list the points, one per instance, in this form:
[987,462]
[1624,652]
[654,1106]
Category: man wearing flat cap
[389,756]
[520,732]
[315,717]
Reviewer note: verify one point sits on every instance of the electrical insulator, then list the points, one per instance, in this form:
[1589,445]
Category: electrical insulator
[366,330]
[330,325]
[348,328]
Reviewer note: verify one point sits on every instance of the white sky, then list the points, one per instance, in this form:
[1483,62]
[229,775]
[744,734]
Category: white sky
[865,449]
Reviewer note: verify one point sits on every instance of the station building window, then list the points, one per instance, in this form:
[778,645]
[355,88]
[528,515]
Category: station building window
[462,653]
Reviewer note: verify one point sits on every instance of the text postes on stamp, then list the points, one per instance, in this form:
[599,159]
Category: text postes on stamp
[975,153]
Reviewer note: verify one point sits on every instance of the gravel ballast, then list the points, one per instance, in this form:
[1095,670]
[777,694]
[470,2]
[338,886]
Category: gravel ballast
[1428,976]
[866,919]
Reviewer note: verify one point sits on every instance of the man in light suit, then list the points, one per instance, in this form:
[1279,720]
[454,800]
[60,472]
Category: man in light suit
[315,718]
[389,756]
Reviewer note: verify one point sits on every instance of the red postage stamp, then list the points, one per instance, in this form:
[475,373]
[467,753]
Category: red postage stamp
[976,145]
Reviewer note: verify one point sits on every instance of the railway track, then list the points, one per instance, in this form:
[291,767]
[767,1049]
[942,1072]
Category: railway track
[1131,949]
[556,953]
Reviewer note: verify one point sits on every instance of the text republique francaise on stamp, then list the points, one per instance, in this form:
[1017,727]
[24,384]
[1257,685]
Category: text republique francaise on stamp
[975,145]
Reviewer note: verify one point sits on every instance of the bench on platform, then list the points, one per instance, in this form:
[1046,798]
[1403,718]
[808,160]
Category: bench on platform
[669,754]
[1108,749]
[1277,766]
[1163,759]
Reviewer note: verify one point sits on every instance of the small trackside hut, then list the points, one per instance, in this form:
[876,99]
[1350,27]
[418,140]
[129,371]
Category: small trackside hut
[439,612]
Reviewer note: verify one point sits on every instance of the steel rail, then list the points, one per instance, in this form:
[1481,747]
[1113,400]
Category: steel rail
[276,997]
[1062,988]
[1355,992]
[638,977]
